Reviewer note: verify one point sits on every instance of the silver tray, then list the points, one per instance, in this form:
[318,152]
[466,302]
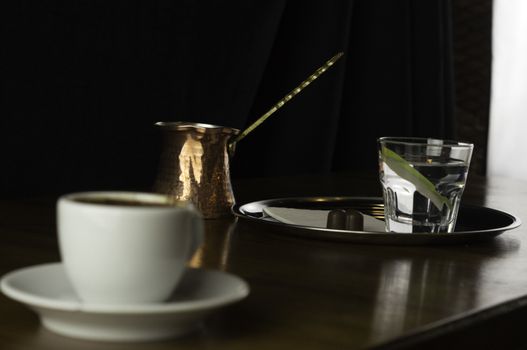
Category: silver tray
[474,222]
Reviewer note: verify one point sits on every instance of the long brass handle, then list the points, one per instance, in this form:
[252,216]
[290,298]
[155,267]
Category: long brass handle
[283,101]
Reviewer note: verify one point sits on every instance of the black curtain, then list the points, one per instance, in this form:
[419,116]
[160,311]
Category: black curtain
[84,81]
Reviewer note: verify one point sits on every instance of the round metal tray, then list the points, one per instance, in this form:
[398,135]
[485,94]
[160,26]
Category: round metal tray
[474,223]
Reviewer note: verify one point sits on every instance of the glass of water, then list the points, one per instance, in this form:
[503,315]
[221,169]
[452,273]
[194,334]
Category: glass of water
[423,180]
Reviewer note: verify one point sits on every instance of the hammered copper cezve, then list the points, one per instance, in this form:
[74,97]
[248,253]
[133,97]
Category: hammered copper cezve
[195,158]
[194,166]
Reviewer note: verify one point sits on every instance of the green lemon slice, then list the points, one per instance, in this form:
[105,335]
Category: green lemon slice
[402,168]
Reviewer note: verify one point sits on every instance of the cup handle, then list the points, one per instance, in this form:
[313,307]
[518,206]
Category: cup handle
[198,230]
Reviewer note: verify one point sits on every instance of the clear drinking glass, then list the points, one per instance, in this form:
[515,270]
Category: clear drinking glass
[423,180]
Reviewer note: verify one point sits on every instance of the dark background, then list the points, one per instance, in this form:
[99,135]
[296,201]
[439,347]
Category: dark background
[84,81]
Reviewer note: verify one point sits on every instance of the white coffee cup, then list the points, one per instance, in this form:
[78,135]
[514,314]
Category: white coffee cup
[126,247]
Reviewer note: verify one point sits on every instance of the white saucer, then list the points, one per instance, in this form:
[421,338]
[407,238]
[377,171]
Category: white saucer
[45,289]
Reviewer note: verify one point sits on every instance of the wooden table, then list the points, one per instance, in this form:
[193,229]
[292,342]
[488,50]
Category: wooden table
[308,294]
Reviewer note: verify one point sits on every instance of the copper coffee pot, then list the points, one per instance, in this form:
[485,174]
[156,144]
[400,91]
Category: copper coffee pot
[194,162]
[194,166]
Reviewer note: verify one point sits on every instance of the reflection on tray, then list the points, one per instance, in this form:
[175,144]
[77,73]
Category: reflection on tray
[319,218]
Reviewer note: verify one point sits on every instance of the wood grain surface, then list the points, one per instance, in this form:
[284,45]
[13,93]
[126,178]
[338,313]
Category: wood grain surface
[313,294]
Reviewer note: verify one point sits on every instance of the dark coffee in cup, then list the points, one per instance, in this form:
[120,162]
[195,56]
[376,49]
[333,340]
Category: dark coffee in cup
[121,202]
